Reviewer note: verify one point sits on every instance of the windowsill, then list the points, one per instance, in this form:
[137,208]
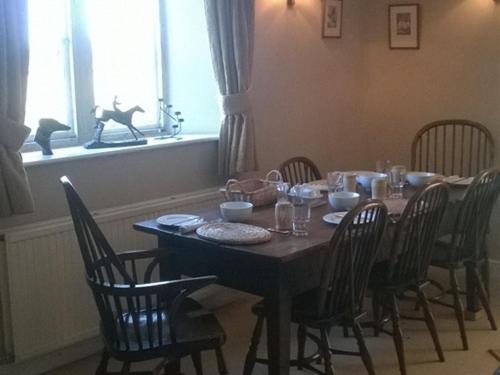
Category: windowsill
[79,152]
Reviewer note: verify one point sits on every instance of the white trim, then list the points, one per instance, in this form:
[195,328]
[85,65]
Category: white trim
[36,158]
[30,231]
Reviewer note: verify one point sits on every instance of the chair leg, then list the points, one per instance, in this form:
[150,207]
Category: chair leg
[376,313]
[429,321]
[345,331]
[397,334]
[301,342]
[483,296]
[102,368]
[485,273]
[198,368]
[459,308]
[173,367]
[125,369]
[254,343]
[363,350]
[221,363]
[325,349]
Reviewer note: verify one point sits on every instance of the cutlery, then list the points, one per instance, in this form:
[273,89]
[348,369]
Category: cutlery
[279,231]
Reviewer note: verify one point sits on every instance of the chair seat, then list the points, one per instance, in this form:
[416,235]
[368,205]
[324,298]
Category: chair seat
[195,327]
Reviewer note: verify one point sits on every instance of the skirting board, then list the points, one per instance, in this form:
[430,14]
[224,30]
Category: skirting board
[54,360]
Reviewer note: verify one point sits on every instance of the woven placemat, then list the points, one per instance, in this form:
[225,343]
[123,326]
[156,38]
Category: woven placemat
[233,233]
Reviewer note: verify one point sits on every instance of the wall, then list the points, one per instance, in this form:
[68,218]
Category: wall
[306,89]
[454,74]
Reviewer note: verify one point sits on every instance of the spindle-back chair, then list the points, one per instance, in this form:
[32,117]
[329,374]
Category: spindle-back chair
[339,298]
[142,319]
[299,170]
[410,255]
[466,248]
[453,147]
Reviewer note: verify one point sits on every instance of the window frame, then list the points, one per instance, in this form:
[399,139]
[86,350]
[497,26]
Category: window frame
[78,69]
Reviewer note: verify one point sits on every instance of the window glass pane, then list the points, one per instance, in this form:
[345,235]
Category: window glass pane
[191,84]
[49,89]
[125,40]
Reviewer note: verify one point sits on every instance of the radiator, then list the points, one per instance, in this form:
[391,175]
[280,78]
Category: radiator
[50,304]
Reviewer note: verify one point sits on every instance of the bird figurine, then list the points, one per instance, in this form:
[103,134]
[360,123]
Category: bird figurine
[46,126]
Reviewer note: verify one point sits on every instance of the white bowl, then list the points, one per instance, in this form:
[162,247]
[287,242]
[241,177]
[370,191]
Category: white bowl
[366,178]
[419,179]
[343,200]
[236,211]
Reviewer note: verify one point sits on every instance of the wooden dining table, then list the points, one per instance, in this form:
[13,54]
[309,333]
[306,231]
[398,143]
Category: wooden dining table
[277,270]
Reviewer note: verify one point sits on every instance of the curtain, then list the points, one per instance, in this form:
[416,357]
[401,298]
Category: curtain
[231,35]
[15,194]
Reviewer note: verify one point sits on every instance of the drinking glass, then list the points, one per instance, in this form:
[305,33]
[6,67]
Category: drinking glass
[301,216]
[397,179]
[383,166]
[334,181]
[301,213]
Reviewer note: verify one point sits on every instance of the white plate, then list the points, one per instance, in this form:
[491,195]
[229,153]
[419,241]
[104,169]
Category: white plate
[176,219]
[456,180]
[336,217]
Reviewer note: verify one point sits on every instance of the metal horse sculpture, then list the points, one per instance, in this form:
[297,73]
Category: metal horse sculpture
[121,117]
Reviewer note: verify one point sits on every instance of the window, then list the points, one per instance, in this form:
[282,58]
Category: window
[86,53]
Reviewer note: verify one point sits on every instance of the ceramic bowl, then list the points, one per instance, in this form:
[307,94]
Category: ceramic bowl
[419,179]
[236,211]
[343,200]
[365,179]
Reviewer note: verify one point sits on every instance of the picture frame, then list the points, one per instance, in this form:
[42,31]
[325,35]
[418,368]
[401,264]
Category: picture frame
[404,26]
[332,19]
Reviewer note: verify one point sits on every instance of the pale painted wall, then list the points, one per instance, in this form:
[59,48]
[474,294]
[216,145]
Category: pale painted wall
[454,74]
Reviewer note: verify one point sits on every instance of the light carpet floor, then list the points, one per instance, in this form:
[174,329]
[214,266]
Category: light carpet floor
[420,355]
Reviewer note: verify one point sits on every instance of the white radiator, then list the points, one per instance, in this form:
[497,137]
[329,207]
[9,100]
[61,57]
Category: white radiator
[50,304]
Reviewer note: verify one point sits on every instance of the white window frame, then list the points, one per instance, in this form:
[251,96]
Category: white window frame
[78,52]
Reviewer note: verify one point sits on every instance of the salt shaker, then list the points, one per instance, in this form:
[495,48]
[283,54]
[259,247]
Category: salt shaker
[283,210]
[379,188]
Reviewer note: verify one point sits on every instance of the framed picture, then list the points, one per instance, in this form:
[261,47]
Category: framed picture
[332,19]
[404,26]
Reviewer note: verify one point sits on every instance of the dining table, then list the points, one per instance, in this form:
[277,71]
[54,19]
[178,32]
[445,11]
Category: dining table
[276,270]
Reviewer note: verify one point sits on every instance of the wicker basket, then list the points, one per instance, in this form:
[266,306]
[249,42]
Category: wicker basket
[256,191]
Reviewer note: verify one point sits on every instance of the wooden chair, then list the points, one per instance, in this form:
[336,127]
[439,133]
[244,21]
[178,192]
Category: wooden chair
[453,147]
[299,170]
[466,247]
[141,319]
[407,266]
[339,298]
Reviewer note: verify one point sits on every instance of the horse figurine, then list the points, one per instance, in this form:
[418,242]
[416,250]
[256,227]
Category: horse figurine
[117,115]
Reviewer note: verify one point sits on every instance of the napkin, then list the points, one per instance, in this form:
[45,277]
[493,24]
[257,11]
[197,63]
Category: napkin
[190,226]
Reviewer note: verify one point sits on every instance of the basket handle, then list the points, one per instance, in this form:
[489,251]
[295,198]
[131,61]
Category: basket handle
[233,183]
[276,173]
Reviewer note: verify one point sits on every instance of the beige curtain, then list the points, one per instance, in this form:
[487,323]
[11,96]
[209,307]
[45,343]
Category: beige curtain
[231,34]
[15,194]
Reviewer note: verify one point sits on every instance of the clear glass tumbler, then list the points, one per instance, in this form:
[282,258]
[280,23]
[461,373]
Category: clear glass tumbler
[301,216]
[334,181]
[397,179]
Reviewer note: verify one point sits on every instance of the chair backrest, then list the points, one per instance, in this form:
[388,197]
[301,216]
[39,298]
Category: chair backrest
[350,258]
[472,221]
[416,233]
[299,170]
[453,147]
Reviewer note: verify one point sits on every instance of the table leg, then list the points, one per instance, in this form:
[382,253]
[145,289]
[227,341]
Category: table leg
[278,310]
